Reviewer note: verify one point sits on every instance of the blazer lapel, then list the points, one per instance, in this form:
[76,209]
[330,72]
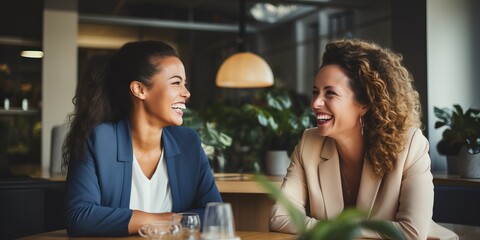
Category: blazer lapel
[172,156]
[124,141]
[369,186]
[330,182]
[125,155]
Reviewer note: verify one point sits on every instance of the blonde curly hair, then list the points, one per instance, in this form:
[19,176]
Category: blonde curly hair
[381,82]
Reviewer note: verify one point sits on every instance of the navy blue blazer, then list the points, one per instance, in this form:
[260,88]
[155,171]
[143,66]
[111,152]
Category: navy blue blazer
[98,187]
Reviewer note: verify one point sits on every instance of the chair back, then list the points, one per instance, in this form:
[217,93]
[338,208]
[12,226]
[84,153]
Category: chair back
[58,136]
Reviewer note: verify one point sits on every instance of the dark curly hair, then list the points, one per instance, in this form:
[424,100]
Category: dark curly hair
[380,81]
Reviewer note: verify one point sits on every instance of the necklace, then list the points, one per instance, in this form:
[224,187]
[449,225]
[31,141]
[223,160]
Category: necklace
[345,181]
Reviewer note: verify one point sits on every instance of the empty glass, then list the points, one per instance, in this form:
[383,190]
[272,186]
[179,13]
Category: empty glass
[218,222]
[190,222]
[165,230]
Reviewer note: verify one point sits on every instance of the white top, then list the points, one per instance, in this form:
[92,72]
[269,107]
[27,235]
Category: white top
[151,195]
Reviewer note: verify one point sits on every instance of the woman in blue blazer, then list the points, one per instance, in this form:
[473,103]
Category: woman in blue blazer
[129,160]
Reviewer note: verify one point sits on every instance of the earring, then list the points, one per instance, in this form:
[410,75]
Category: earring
[361,124]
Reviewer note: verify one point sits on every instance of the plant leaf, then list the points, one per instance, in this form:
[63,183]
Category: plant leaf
[225,140]
[440,124]
[383,228]
[444,115]
[275,193]
[346,231]
[458,109]
[351,213]
[320,230]
[279,100]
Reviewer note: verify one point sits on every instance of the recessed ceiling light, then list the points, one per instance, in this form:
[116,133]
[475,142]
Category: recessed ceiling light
[32,54]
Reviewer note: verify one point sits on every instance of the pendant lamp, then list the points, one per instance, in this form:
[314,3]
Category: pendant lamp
[244,69]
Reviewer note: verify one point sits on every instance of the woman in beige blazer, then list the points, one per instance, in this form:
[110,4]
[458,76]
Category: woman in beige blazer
[367,150]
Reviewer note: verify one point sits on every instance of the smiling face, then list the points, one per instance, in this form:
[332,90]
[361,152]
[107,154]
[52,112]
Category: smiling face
[164,100]
[334,104]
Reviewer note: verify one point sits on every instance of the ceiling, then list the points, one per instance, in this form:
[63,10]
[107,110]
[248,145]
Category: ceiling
[218,11]
[26,22]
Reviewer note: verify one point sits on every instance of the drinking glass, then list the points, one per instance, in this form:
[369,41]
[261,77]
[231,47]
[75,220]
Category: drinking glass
[164,230]
[218,222]
[190,222]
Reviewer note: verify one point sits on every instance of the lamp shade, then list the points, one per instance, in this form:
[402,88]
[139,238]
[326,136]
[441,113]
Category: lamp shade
[244,70]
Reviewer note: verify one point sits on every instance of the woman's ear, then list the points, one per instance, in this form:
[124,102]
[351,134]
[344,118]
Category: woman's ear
[363,110]
[138,89]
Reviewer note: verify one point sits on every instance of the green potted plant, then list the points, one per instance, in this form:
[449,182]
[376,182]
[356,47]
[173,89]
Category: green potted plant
[214,141]
[240,123]
[345,226]
[227,132]
[273,122]
[283,121]
[461,137]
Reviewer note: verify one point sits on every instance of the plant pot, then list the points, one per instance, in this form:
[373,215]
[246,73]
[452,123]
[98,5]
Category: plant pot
[452,164]
[277,162]
[468,164]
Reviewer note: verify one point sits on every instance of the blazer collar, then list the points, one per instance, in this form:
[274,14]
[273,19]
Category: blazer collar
[124,141]
[125,147]
[173,161]
[330,182]
[171,154]
[369,187]
[170,146]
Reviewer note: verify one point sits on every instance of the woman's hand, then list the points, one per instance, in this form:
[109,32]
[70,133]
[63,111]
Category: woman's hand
[140,218]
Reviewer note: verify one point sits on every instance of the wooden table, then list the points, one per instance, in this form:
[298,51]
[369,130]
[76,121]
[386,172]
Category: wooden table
[464,232]
[251,204]
[62,234]
[455,180]
[242,183]
[226,182]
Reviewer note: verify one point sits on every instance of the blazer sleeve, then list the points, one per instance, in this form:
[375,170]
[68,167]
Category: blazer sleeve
[85,214]
[415,202]
[191,178]
[416,192]
[294,187]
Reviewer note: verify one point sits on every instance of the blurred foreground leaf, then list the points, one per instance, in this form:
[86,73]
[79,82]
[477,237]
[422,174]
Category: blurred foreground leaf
[346,226]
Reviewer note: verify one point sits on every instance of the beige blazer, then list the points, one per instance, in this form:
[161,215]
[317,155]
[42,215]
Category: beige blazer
[404,196]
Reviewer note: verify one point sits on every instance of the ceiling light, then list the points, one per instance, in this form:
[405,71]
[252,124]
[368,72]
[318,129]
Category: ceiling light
[32,54]
[244,69]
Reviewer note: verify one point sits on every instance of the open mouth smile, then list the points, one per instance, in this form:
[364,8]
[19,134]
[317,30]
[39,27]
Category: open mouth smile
[179,107]
[323,118]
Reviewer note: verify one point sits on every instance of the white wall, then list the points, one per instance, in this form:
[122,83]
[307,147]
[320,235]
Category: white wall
[449,65]
[59,69]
